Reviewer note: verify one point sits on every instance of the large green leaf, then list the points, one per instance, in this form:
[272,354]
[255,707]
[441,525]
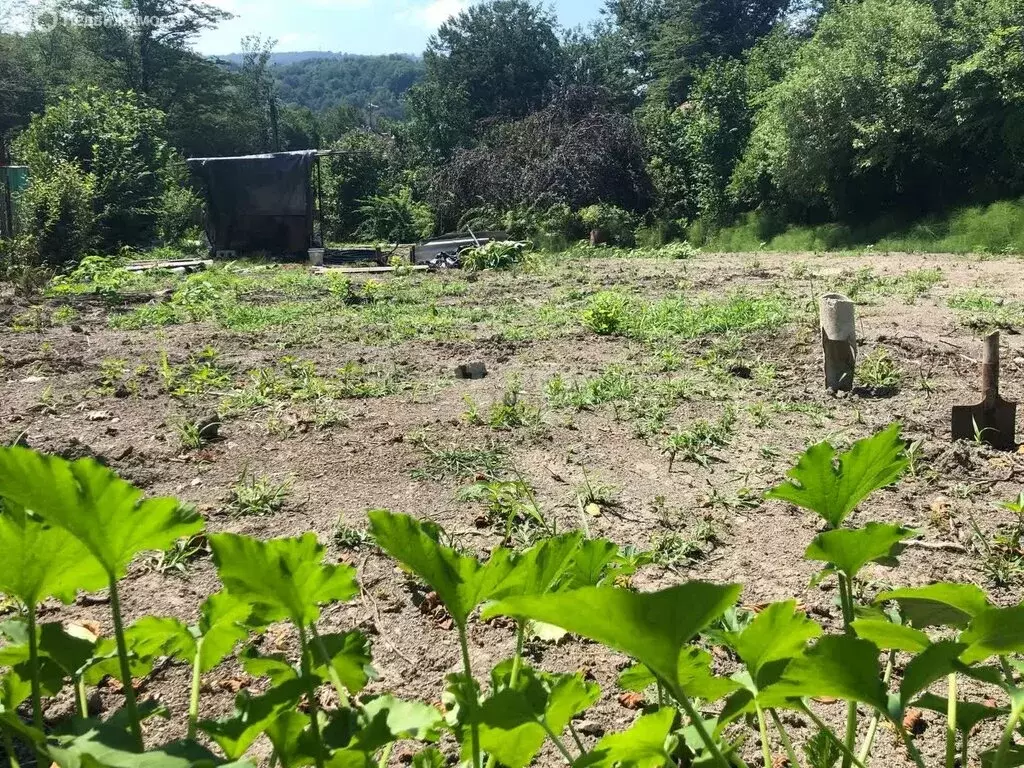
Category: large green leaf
[253,714]
[941,604]
[694,675]
[61,653]
[994,632]
[461,582]
[968,713]
[849,550]
[537,569]
[41,560]
[818,484]
[224,621]
[644,745]
[778,632]
[513,723]
[934,663]
[105,747]
[653,627]
[836,666]
[284,577]
[591,563]
[887,635]
[105,513]
[387,718]
[348,655]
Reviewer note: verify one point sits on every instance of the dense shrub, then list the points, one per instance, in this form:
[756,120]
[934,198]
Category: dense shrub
[118,142]
[395,217]
[609,223]
[58,215]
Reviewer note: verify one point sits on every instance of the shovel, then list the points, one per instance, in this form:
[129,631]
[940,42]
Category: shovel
[993,420]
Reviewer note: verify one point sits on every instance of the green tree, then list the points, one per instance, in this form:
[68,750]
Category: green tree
[259,94]
[495,61]
[141,33]
[986,86]
[365,166]
[853,125]
[696,32]
[120,143]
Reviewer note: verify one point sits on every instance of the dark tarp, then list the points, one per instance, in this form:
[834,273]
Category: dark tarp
[258,202]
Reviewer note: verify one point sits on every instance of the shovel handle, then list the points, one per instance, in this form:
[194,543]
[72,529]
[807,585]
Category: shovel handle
[990,369]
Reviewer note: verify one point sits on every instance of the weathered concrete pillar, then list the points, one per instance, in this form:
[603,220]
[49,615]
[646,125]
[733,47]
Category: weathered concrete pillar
[838,340]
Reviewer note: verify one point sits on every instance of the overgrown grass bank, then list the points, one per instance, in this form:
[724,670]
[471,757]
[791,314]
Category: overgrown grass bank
[997,228]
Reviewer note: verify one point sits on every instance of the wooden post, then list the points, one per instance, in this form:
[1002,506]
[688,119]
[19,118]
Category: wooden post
[838,340]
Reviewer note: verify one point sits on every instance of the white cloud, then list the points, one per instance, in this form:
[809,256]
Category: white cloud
[437,12]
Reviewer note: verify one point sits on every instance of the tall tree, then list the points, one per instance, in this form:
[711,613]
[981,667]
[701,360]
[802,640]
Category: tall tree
[259,94]
[503,56]
[144,32]
[693,33]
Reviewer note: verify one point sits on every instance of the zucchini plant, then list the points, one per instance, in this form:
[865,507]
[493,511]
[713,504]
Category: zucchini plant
[719,676]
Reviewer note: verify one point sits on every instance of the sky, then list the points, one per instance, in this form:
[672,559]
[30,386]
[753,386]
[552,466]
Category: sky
[353,26]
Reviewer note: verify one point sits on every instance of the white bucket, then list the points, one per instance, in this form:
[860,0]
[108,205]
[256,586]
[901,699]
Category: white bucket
[316,257]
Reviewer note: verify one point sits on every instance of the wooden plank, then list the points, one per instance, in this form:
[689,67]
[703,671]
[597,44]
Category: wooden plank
[370,270]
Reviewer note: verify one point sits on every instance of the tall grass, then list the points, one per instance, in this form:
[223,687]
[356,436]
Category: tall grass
[996,228]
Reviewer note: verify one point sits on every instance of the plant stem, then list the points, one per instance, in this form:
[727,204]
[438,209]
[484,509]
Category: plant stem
[193,702]
[577,739]
[1011,726]
[33,661]
[385,755]
[913,751]
[762,726]
[951,723]
[698,724]
[517,661]
[126,671]
[9,749]
[474,728]
[307,675]
[869,740]
[81,700]
[339,686]
[846,599]
[556,741]
[828,731]
[790,752]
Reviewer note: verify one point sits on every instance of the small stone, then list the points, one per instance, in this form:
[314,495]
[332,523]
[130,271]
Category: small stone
[33,379]
[474,370]
[590,728]
[94,703]
[97,415]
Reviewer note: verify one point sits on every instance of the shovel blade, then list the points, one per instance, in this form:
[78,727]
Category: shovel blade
[994,425]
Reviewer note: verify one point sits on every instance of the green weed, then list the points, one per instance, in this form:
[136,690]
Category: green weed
[257,495]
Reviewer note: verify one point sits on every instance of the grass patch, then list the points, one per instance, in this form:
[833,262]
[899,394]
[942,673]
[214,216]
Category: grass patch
[985,313]
[997,228]
[612,312]
[257,495]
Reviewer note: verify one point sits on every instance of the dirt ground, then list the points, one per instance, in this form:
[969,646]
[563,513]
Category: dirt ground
[58,394]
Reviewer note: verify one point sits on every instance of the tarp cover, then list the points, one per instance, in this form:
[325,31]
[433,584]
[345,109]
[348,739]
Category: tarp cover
[258,202]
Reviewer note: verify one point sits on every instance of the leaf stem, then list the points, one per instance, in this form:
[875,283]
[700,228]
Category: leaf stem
[912,750]
[784,736]
[698,724]
[126,671]
[307,676]
[33,661]
[846,599]
[869,739]
[81,700]
[1011,726]
[762,726]
[556,741]
[577,739]
[193,702]
[385,755]
[951,723]
[339,686]
[517,662]
[828,731]
[474,728]
[9,749]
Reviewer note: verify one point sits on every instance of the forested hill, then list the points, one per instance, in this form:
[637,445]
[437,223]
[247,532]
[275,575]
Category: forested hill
[323,79]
